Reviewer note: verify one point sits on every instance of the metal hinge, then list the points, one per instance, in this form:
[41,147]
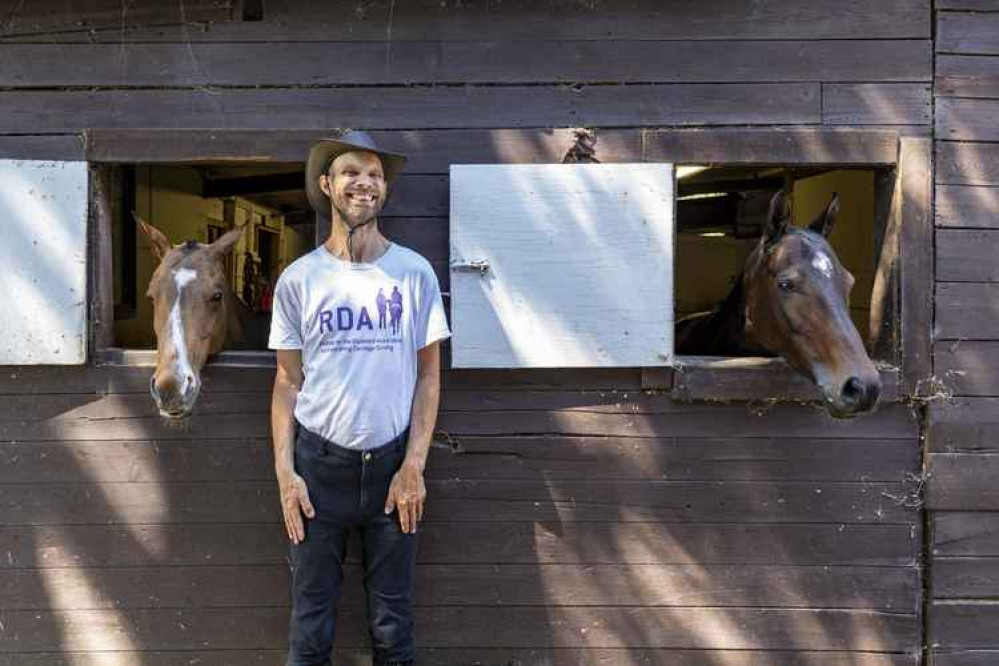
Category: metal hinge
[479,265]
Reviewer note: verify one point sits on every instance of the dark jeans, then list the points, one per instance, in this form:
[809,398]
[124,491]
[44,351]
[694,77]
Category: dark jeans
[348,490]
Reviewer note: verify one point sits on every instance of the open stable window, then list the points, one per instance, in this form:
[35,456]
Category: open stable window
[723,179]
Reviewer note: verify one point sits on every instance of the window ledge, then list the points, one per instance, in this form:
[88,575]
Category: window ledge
[754,379]
[146,358]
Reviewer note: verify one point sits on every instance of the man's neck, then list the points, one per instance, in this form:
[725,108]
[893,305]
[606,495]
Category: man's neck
[366,245]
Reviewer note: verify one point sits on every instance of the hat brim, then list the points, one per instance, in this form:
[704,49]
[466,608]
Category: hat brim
[327,150]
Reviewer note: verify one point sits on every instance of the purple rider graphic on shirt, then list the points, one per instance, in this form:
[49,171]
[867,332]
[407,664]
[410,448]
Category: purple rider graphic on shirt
[346,329]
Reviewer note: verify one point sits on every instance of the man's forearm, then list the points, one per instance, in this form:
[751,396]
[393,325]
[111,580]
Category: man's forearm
[421,427]
[283,427]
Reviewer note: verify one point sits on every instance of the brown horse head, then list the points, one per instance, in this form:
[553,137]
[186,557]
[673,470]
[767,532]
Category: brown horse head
[191,304]
[797,305]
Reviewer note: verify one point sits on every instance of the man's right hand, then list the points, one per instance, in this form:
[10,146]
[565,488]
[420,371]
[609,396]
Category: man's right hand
[295,502]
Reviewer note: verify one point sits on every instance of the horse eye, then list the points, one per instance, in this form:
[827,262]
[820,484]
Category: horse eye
[785,284]
[217,296]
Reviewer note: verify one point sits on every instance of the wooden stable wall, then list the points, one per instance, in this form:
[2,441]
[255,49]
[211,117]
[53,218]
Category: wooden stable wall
[574,518]
[963,457]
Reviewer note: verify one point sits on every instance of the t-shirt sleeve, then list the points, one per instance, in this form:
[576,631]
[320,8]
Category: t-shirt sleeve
[286,317]
[431,323]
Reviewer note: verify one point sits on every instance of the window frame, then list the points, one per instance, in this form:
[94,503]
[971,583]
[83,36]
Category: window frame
[905,268]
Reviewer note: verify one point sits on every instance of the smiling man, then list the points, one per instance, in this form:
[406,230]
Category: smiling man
[354,404]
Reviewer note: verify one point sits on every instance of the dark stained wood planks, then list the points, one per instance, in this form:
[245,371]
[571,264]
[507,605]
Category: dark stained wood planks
[415,62]
[418,107]
[637,585]
[962,534]
[963,624]
[609,627]
[428,20]
[967,310]
[968,33]
[962,482]
[507,542]
[965,578]
[42,147]
[968,368]
[965,255]
[967,163]
[959,119]
[966,76]
[20,18]
[962,425]
[960,206]
[876,104]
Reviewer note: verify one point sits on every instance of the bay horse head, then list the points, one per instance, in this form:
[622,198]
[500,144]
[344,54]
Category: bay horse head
[797,305]
[192,307]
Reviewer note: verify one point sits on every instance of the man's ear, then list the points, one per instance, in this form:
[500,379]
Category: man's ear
[228,240]
[158,243]
[324,185]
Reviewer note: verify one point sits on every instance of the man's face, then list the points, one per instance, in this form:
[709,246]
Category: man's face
[355,183]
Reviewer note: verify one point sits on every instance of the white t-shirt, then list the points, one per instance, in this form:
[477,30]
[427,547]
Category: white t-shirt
[359,327]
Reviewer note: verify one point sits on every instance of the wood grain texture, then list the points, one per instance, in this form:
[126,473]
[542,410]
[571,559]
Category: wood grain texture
[64,147]
[414,108]
[965,534]
[876,104]
[964,425]
[428,20]
[966,625]
[968,368]
[487,657]
[967,163]
[968,33]
[734,628]
[967,311]
[22,19]
[960,206]
[962,482]
[966,76]
[967,255]
[510,542]
[960,119]
[418,62]
[958,657]
[965,578]
[634,585]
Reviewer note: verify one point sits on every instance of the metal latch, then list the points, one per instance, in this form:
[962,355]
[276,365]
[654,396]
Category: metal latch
[479,265]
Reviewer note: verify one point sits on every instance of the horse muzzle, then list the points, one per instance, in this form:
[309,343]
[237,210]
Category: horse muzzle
[856,396]
[174,400]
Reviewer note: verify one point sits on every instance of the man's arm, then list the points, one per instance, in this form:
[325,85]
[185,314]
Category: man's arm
[294,493]
[407,491]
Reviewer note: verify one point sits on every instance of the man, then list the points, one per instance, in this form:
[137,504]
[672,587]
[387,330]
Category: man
[352,412]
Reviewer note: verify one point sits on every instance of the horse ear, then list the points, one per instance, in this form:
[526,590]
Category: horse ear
[158,243]
[823,224]
[777,219]
[228,240]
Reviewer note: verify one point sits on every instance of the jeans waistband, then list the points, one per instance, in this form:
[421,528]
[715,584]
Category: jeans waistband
[358,455]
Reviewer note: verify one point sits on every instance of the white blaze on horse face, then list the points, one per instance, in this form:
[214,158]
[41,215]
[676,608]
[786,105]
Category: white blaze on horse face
[181,278]
[823,264]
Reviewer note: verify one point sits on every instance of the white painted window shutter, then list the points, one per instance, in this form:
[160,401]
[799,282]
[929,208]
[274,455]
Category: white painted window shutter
[43,208]
[562,265]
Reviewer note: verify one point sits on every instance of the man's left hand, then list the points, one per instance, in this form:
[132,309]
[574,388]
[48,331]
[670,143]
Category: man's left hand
[407,493]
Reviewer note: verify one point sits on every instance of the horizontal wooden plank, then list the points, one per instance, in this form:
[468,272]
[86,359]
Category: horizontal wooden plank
[962,482]
[967,206]
[968,368]
[636,585]
[969,5]
[486,657]
[959,119]
[427,20]
[966,255]
[427,151]
[965,578]
[731,628]
[955,624]
[27,19]
[968,33]
[522,542]
[966,76]
[471,500]
[967,163]
[967,311]
[772,146]
[965,534]
[42,147]
[754,380]
[606,458]
[414,107]
[950,657]
[419,62]
[876,104]
[964,425]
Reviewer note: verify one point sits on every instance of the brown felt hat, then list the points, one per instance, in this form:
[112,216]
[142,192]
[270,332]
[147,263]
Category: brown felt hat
[322,154]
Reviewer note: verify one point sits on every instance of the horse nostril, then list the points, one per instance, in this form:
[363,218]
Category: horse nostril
[853,391]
